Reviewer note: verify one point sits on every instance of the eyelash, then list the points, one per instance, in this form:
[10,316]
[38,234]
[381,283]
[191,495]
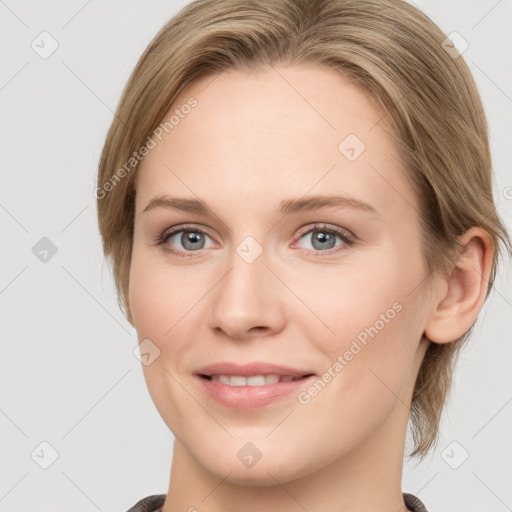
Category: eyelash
[347,238]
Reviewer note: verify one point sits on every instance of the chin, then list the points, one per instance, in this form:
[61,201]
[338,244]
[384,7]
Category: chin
[272,466]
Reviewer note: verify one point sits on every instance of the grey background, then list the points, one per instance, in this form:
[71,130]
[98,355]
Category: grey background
[68,374]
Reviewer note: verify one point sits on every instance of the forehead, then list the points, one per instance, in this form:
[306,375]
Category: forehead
[273,133]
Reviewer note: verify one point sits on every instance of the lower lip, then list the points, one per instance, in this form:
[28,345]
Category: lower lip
[251,397]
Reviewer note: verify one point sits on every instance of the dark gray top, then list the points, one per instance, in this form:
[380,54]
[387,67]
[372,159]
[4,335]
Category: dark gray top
[155,502]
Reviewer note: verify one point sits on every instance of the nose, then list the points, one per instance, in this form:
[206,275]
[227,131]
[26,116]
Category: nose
[248,301]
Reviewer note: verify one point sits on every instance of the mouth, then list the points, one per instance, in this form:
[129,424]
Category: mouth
[253,380]
[251,386]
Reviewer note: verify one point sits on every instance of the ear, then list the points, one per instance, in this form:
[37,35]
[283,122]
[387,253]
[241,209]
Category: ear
[458,298]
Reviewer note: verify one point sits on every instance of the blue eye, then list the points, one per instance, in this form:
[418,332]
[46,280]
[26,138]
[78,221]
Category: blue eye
[192,239]
[323,238]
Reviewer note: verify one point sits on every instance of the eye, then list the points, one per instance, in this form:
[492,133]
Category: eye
[184,240]
[322,238]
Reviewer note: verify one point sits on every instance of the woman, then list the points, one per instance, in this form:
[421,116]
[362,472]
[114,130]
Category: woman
[296,197]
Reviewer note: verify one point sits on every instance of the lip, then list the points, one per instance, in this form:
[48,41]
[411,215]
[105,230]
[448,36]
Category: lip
[250,369]
[250,397]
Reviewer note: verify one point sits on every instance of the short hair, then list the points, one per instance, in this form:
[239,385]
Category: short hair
[393,52]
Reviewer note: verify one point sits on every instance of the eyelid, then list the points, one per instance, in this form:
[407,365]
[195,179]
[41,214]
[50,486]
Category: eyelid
[182,227]
[322,226]
[301,232]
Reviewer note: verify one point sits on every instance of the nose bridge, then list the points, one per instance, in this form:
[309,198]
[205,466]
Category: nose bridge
[245,297]
[248,265]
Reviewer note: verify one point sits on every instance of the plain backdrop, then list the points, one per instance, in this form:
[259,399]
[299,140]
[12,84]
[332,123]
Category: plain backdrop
[72,393]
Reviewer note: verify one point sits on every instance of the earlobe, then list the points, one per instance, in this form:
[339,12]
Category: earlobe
[460,296]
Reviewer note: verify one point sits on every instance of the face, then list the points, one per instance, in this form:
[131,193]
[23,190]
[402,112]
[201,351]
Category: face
[274,226]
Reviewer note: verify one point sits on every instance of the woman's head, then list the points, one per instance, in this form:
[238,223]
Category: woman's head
[243,105]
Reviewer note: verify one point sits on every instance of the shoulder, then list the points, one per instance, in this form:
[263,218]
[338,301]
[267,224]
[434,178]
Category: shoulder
[414,504]
[149,504]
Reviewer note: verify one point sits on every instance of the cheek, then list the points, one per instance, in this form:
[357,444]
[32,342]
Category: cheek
[161,309]
[349,300]
[147,304]
[160,298]
[369,320]
[166,303]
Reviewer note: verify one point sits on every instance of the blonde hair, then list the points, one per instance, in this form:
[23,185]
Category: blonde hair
[395,54]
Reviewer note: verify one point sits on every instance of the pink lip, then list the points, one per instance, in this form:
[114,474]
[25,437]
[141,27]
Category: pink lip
[250,397]
[246,370]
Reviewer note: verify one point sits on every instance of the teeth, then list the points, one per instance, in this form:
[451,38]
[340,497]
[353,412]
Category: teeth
[235,380]
[253,380]
[222,378]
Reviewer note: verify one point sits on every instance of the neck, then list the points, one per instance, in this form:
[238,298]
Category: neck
[366,478]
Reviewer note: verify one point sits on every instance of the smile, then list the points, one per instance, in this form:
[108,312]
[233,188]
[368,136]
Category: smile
[252,392]
[253,380]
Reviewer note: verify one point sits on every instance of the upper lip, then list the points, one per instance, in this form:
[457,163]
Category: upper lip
[250,369]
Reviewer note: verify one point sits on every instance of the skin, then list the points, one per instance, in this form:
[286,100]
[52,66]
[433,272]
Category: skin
[253,140]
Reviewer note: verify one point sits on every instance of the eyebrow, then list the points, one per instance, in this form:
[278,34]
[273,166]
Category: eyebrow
[287,206]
